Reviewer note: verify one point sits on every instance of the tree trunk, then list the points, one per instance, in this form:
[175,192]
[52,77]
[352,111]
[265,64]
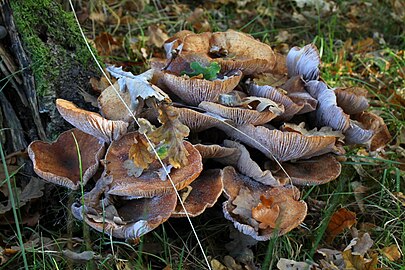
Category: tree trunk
[44,57]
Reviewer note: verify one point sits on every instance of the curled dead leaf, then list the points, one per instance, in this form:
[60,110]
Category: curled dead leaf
[342,219]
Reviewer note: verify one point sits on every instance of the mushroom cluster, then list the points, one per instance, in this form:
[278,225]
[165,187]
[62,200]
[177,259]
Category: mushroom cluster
[258,124]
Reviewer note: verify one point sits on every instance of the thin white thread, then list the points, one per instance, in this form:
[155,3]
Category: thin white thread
[147,138]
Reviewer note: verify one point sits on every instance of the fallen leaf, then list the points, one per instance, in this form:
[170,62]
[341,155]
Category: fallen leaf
[266,212]
[216,265]
[139,153]
[342,219]
[359,190]
[360,245]
[78,257]
[286,264]
[105,44]
[357,262]
[137,85]
[156,36]
[261,104]
[400,196]
[391,252]
[171,134]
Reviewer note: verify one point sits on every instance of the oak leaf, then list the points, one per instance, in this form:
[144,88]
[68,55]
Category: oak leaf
[357,262]
[170,135]
[342,219]
[266,212]
[139,152]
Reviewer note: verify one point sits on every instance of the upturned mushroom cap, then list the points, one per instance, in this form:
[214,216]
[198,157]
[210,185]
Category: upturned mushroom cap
[111,106]
[375,123]
[197,121]
[245,52]
[58,162]
[193,90]
[247,166]
[149,183]
[121,218]
[205,192]
[295,87]
[314,171]
[283,146]
[239,116]
[276,94]
[356,134]
[304,61]
[216,151]
[90,122]
[244,195]
[352,99]
[327,113]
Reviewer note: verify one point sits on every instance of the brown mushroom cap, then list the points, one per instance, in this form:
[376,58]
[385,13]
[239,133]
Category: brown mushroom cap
[149,183]
[352,99]
[375,123]
[283,146]
[273,93]
[314,171]
[216,151]
[91,122]
[205,192]
[58,162]
[245,52]
[292,211]
[193,90]
[197,121]
[111,106]
[125,219]
[240,116]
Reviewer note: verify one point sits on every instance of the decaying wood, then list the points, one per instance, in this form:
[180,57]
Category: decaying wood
[24,63]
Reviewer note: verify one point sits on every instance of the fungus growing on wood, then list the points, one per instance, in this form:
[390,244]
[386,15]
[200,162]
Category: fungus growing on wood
[58,162]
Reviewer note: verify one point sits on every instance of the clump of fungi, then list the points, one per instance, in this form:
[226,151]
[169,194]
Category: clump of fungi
[258,123]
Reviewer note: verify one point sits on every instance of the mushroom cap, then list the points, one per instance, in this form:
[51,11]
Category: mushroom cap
[149,183]
[193,90]
[244,52]
[356,134]
[314,171]
[125,219]
[266,91]
[205,192]
[111,106]
[352,99]
[58,162]
[304,61]
[295,87]
[240,116]
[216,151]
[91,122]
[247,166]
[197,121]
[292,211]
[283,146]
[375,123]
[327,113]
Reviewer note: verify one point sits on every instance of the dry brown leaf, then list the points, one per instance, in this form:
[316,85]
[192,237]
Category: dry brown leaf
[139,153]
[357,262]
[391,252]
[171,133]
[342,219]
[359,190]
[401,197]
[105,44]
[360,245]
[266,212]
[244,203]
[156,36]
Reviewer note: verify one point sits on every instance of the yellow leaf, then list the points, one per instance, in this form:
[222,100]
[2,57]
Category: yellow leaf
[139,152]
[391,252]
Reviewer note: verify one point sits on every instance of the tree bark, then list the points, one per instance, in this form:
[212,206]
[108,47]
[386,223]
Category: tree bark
[51,61]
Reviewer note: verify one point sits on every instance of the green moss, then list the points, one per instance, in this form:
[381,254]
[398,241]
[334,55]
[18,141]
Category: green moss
[52,38]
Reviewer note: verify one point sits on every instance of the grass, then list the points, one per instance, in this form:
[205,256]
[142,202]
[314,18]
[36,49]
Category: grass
[171,244]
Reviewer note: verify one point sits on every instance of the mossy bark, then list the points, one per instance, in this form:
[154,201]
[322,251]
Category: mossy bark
[60,60]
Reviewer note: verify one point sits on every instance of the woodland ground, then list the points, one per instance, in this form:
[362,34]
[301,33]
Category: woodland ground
[361,43]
